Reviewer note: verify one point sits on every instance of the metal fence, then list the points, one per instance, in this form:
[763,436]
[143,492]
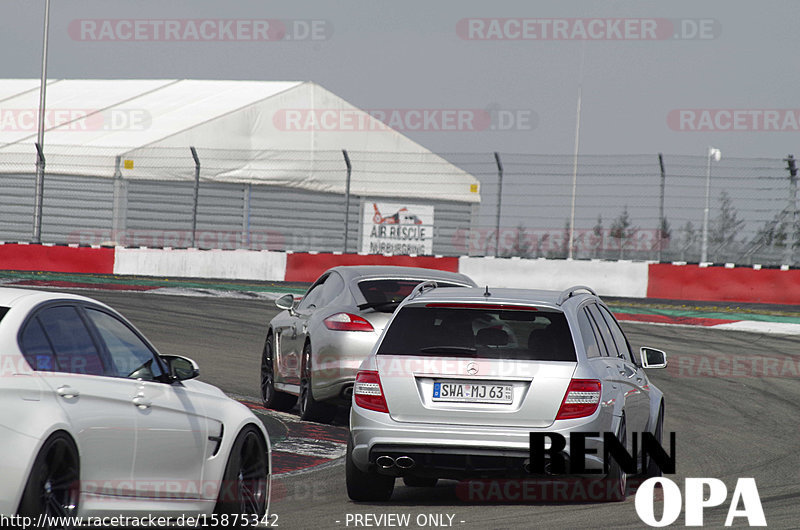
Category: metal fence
[644,207]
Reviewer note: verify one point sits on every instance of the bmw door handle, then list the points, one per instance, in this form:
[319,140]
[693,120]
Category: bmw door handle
[67,392]
[142,402]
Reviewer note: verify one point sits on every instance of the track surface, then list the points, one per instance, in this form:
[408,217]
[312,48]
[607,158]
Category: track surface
[727,426]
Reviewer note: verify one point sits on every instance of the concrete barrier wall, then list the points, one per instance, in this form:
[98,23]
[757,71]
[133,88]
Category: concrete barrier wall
[189,263]
[609,278]
[623,278]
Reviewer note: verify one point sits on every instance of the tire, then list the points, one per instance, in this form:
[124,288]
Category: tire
[420,482]
[366,487]
[53,485]
[311,409]
[244,483]
[273,399]
[652,469]
[617,479]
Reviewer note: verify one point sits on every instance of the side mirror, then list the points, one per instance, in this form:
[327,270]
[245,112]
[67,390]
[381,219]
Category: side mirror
[285,302]
[181,368]
[652,358]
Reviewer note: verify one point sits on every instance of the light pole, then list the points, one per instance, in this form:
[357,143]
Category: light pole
[716,154]
[570,253]
[39,185]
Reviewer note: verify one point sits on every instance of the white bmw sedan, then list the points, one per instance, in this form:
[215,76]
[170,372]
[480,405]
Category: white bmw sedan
[95,422]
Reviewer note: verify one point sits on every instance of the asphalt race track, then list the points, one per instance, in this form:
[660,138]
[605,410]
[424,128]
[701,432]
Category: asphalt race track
[734,417]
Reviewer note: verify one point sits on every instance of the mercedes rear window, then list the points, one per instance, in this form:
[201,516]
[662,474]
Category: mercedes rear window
[473,331]
[385,295]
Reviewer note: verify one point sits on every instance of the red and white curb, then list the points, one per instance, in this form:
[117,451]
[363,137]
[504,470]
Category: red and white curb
[305,444]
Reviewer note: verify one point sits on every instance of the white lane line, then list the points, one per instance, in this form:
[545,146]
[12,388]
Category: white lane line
[748,326]
[754,326]
[215,293]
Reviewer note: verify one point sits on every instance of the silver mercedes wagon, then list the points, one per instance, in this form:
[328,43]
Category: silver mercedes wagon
[461,377]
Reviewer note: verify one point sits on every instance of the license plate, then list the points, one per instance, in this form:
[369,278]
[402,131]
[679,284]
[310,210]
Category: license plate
[464,392]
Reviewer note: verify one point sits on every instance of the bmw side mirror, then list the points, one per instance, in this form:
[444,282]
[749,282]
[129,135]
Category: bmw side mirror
[652,358]
[181,368]
[285,302]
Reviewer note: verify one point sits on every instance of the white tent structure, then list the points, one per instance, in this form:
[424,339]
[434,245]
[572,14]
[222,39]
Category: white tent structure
[288,134]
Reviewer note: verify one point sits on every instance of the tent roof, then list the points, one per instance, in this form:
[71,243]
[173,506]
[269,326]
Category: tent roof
[238,128]
[167,106]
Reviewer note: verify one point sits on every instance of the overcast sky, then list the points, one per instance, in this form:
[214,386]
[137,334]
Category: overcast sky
[498,56]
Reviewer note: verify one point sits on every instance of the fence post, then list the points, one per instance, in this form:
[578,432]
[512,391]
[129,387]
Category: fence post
[660,230]
[248,194]
[39,194]
[792,167]
[499,202]
[196,193]
[120,201]
[347,199]
[39,186]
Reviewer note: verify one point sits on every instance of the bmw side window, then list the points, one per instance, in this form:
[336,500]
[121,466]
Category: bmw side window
[36,348]
[605,333]
[130,356]
[312,298]
[587,334]
[619,336]
[75,351]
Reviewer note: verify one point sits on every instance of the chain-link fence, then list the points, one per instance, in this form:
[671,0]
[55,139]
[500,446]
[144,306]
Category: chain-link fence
[636,207]
[649,207]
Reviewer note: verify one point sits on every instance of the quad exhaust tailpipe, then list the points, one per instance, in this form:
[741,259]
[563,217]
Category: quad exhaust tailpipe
[385,462]
[388,462]
[548,469]
[404,462]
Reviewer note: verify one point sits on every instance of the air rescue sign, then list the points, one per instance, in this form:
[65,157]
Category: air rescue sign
[396,228]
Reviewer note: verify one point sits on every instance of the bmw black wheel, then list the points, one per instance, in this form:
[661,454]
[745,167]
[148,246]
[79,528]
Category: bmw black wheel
[52,488]
[244,484]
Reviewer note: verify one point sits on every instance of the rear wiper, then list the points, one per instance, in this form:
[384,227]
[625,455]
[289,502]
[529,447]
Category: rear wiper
[455,350]
[370,305]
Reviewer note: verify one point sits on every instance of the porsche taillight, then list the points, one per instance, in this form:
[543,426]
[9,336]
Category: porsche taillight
[347,322]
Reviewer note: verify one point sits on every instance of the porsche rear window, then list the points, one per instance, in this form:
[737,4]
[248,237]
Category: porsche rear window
[3,311]
[495,333]
[380,292]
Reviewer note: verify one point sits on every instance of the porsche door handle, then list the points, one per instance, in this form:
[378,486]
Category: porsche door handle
[67,392]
